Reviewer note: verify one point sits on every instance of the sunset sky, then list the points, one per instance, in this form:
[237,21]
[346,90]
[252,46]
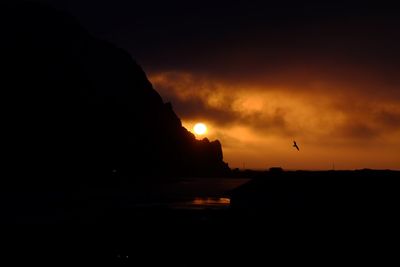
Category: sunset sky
[261,75]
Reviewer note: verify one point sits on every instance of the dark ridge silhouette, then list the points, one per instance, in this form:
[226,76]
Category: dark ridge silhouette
[79,112]
[78,104]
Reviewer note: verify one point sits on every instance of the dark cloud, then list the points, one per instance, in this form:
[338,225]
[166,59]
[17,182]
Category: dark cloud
[185,32]
[196,109]
[270,123]
[358,130]
[197,105]
[388,119]
[351,45]
[367,117]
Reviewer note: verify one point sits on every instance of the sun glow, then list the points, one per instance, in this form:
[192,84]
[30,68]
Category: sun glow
[200,128]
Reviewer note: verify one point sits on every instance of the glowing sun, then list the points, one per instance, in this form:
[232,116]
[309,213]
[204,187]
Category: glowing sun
[200,128]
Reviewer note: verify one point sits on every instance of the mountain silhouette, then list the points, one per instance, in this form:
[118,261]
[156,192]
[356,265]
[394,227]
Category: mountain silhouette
[77,109]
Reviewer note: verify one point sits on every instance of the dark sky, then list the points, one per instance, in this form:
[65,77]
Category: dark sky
[182,34]
[263,73]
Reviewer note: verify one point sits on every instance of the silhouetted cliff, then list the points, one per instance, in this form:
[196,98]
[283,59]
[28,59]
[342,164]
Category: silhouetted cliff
[75,107]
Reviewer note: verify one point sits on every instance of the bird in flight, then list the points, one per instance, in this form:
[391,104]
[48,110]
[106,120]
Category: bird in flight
[295,145]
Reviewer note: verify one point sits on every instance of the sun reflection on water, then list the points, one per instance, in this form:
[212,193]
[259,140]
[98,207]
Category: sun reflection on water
[212,201]
[203,203]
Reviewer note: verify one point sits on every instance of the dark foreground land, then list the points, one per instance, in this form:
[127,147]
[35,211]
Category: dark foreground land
[314,217]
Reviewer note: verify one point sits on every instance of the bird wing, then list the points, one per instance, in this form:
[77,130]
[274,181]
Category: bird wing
[295,145]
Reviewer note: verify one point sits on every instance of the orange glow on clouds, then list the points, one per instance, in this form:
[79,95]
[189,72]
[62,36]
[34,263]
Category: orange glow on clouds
[257,123]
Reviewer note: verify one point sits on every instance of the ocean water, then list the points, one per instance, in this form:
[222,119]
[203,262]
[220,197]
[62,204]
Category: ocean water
[195,193]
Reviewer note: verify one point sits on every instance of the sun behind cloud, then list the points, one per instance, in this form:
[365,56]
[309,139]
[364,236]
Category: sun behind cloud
[200,128]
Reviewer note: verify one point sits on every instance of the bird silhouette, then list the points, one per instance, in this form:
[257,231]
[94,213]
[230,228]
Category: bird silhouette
[295,145]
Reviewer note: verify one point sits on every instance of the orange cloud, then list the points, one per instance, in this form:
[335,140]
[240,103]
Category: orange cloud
[257,123]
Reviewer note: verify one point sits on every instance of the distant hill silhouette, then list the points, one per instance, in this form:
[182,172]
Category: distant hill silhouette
[75,107]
